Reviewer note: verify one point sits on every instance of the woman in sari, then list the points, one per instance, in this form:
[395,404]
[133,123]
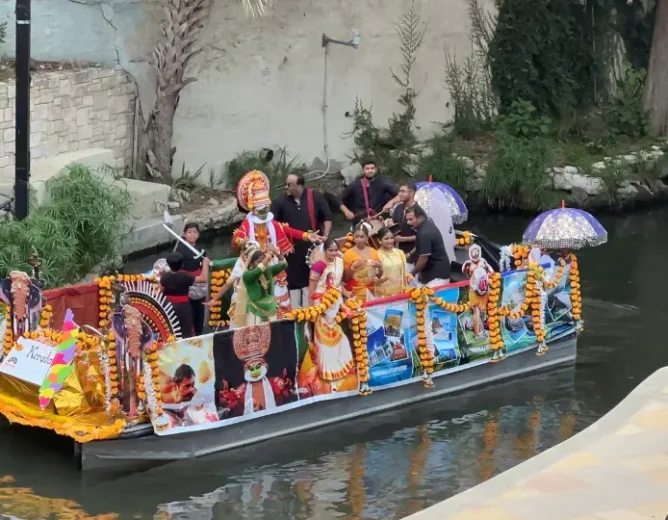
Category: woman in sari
[328,366]
[394,277]
[361,264]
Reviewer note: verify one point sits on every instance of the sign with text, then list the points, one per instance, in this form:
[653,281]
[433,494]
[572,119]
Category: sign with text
[28,361]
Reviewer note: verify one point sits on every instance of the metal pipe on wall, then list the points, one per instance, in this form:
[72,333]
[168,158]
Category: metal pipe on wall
[22,122]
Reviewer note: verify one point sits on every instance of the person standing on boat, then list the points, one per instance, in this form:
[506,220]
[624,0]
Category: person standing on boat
[307,210]
[262,306]
[405,235]
[328,365]
[432,263]
[176,285]
[395,275]
[361,264]
[369,196]
[193,264]
[261,226]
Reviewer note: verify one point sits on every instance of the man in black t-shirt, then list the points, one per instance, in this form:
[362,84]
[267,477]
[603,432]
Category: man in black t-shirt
[405,234]
[369,195]
[432,262]
[307,210]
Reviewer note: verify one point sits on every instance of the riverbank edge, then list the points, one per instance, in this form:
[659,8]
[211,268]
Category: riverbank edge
[478,501]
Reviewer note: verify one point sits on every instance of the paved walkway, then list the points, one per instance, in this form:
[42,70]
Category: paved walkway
[617,469]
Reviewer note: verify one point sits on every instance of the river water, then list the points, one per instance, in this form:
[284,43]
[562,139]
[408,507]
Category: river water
[392,465]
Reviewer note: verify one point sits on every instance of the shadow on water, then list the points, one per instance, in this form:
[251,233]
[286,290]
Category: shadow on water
[391,465]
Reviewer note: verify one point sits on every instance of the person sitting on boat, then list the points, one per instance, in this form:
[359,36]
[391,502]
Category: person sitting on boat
[394,276]
[361,264]
[328,365]
[368,196]
[237,310]
[262,306]
[405,234]
[192,263]
[260,226]
[176,285]
[432,264]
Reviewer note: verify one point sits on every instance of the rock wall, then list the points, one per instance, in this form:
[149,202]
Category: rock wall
[72,111]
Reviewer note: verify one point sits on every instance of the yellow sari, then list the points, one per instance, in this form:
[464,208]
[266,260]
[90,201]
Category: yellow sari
[363,279]
[394,269]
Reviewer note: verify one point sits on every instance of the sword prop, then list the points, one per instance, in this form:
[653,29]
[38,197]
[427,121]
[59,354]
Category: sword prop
[198,254]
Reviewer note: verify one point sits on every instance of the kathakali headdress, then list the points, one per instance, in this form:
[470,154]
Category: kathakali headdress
[253,191]
[251,344]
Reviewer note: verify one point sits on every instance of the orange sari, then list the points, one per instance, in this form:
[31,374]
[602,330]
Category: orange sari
[364,278]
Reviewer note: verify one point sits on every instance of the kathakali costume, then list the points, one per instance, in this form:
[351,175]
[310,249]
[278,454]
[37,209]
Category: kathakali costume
[260,226]
[478,270]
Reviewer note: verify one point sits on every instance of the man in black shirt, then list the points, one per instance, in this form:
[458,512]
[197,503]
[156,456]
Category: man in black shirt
[369,195]
[432,262]
[307,210]
[405,234]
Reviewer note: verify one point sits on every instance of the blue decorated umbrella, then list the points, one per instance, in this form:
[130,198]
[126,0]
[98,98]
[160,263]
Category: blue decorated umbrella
[565,228]
[435,193]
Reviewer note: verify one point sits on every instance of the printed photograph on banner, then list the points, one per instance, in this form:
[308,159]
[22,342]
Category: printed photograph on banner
[473,330]
[187,381]
[390,344]
[326,362]
[444,331]
[559,306]
[518,332]
[256,367]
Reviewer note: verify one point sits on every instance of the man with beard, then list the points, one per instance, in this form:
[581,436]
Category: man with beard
[303,209]
[368,196]
[432,262]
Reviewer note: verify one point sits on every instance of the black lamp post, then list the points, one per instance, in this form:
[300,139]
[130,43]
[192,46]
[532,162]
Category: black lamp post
[22,153]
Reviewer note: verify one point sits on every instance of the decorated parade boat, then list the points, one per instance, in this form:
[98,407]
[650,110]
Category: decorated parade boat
[105,365]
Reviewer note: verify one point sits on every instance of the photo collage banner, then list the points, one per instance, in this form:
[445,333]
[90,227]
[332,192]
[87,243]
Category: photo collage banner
[237,375]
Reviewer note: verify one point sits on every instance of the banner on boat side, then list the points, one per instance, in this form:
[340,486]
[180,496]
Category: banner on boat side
[28,361]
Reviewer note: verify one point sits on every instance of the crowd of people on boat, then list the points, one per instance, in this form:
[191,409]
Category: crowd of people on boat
[288,260]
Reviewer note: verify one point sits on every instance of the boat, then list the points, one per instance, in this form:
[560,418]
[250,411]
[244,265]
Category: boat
[97,362]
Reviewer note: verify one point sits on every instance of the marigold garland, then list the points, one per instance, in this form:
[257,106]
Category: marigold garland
[8,340]
[456,308]
[348,243]
[218,279]
[111,371]
[576,296]
[358,320]
[520,253]
[420,298]
[550,284]
[537,304]
[45,316]
[312,313]
[465,239]
[106,294]
[494,317]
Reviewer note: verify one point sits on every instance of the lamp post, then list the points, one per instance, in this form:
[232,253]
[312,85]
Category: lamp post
[22,153]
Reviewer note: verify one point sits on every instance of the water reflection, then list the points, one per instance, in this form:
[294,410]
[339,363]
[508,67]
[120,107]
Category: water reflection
[397,463]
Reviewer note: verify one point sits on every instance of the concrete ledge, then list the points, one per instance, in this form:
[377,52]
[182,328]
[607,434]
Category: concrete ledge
[615,469]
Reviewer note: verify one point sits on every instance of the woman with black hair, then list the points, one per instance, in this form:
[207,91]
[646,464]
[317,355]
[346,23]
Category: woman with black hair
[192,264]
[176,285]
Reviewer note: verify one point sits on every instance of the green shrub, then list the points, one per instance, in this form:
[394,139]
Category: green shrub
[517,176]
[82,226]
[277,166]
[522,120]
[442,163]
[623,110]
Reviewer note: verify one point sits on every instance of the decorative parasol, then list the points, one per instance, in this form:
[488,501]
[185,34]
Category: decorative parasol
[565,228]
[429,193]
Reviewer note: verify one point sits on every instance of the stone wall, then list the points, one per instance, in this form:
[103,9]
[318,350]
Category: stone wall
[72,110]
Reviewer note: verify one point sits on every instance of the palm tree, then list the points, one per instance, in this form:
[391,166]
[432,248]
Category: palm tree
[656,86]
[183,21]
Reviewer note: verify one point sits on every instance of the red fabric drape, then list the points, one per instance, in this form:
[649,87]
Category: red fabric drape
[83,299]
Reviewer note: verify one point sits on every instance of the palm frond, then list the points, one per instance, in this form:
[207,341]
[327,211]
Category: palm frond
[256,8]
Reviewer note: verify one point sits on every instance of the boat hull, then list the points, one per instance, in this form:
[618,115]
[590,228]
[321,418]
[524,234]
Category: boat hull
[128,452]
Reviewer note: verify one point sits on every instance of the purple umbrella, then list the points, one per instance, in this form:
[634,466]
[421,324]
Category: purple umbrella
[565,228]
[458,209]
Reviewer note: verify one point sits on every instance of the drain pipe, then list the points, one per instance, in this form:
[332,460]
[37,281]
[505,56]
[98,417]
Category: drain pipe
[326,40]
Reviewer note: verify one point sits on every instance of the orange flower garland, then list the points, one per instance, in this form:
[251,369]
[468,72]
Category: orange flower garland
[456,308]
[112,377]
[106,295]
[550,284]
[349,243]
[576,296]
[537,305]
[465,239]
[359,328]
[520,253]
[45,316]
[8,340]
[218,279]
[494,316]
[312,313]
[420,297]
